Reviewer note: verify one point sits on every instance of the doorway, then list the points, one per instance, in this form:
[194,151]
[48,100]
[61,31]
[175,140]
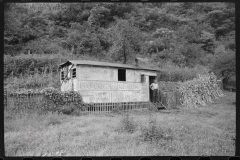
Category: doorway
[151,80]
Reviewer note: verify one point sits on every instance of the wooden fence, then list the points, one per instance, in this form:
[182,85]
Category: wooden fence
[169,99]
[98,108]
[37,102]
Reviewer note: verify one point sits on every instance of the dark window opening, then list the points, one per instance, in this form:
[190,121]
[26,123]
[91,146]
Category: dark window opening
[121,75]
[74,73]
[143,78]
[62,75]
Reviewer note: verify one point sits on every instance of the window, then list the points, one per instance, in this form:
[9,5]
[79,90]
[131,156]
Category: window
[74,73]
[62,75]
[143,78]
[121,75]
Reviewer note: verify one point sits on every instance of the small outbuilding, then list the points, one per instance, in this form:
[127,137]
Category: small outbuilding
[102,82]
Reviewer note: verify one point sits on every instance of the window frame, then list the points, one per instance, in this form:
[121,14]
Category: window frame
[74,70]
[122,79]
[62,75]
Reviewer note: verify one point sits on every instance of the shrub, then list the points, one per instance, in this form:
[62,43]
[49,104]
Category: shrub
[48,99]
[63,99]
[153,132]
[127,124]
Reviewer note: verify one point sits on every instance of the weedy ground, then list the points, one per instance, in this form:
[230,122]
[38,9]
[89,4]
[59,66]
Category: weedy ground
[206,130]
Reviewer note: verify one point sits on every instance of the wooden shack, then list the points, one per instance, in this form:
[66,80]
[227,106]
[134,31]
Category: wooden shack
[101,82]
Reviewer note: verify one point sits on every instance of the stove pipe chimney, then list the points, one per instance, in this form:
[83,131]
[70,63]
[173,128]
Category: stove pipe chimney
[136,62]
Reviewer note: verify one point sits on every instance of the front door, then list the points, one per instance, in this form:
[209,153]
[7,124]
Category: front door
[151,80]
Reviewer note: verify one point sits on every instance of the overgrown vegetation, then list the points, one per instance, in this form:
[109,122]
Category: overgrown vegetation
[127,124]
[153,132]
[177,38]
[182,40]
[205,131]
[46,100]
[175,73]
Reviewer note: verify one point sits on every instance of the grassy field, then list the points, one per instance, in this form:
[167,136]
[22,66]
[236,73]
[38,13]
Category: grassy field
[207,130]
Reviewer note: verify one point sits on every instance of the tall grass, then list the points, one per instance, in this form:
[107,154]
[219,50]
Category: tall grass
[175,73]
[37,81]
[24,64]
[127,124]
[208,130]
[153,132]
[37,70]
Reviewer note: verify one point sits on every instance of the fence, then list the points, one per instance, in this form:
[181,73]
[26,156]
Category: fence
[98,108]
[169,99]
[31,102]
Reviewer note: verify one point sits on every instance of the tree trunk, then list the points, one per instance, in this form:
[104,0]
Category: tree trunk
[124,55]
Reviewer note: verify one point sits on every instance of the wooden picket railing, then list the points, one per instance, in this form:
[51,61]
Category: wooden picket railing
[98,108]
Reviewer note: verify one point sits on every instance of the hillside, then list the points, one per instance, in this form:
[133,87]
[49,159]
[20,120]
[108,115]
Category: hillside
[179,38]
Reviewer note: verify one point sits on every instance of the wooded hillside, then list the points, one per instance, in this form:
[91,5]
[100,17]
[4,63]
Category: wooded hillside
[178,38]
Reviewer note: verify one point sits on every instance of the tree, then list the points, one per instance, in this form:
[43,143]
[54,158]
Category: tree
[208,41]
[222,20]
[224,64]
[127,40]
[99,16]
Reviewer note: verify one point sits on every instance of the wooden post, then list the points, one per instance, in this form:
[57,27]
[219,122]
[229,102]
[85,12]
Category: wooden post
[104,104]
[103,107]
[5,99]
[91,109]
[97,108]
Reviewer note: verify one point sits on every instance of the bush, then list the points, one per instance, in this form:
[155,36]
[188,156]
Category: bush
[153,132]
[48,99]
[65,102]
[224,64]
[127,124]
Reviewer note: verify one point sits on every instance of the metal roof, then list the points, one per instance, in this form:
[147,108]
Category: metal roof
[105,64]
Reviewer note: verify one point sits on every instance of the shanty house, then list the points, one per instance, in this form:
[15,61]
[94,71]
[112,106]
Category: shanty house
[101,82]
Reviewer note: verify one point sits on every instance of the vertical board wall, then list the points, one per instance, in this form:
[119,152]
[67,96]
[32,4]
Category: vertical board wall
[101,85]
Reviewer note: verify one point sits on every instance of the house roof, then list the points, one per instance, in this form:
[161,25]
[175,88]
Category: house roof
[105,64]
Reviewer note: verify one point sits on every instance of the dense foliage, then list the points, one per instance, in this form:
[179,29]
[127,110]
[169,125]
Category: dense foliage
[181,34]
[48,99]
